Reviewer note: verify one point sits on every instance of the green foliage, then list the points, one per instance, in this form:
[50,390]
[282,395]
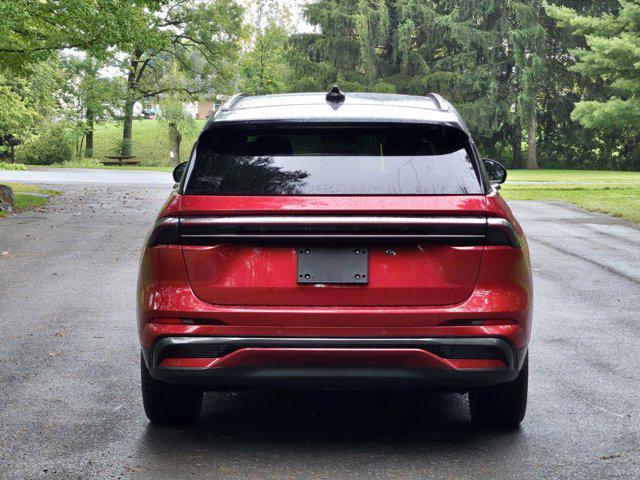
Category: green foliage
[184,46]
[15,115]
[53,144]
[485,56]
[264,67]
[31,31]
[86,90]
[12,166]
[26,100]
[608,56]
[505,64]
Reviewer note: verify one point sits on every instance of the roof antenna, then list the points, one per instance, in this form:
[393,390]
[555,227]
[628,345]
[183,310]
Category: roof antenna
[335,95]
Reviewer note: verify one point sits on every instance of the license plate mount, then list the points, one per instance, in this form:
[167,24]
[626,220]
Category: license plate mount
[335,265]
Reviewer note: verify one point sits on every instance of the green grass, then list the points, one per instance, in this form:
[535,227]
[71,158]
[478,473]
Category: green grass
[24,197]
[613,193]
[150,141]
[150,145]
[572,176]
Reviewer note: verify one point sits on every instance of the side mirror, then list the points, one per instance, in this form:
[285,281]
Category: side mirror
[497,173]
[179,171]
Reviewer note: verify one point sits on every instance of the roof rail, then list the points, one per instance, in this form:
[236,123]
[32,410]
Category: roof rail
[441,103]
[232,101]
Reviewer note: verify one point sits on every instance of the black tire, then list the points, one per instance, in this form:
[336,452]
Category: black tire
[504,405]
[166,403]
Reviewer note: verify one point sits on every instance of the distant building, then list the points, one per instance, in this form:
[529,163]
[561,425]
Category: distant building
[201,109]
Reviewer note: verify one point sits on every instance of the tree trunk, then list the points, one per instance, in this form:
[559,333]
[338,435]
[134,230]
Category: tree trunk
[125,147]
[88,151]
[174,141]
[532,155]
[516,142]
[127,127]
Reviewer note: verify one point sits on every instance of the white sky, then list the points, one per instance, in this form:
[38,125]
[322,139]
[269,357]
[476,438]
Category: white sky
[294,6]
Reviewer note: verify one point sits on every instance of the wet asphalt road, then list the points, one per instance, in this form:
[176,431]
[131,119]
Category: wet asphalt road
[69,391]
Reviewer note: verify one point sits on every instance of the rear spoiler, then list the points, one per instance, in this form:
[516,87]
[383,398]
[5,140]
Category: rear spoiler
[459,231]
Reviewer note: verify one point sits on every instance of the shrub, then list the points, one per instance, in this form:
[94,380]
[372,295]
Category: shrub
[12,166]
[53,144]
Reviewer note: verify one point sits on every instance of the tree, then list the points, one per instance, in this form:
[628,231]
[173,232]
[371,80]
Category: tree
[88,95]
[32,31]
[200,39]
[527,38]
[264,67]
[483,55]
[610,57]
[29,99]
[178,122]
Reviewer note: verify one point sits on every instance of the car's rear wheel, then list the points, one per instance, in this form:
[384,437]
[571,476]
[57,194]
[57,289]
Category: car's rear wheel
[166,403]
[503,405]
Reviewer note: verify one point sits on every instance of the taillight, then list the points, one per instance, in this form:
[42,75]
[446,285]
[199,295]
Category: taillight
[502,232]
[166,231]
[460,231]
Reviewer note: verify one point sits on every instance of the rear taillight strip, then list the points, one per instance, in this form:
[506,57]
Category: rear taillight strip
[334,220]
[329,229]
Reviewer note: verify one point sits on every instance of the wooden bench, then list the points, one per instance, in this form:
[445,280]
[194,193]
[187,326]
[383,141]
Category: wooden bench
[120,160]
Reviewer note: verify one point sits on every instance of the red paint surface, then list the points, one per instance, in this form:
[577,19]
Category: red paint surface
[252,291]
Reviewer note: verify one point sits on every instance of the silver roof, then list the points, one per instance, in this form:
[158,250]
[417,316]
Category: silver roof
[357,107]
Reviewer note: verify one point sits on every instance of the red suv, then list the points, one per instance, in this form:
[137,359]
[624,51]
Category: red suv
[335,241]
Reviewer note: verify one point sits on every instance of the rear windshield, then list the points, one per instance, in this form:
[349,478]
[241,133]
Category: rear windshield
[333,160]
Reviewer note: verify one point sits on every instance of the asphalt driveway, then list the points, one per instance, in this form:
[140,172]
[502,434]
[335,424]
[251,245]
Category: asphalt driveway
[69,391]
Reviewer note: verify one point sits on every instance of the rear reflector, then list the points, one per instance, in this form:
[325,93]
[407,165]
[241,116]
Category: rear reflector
[468,352]
[201,321]
[492,322]
[195,351]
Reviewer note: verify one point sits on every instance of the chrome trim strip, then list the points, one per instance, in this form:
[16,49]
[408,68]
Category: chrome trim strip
[297,342]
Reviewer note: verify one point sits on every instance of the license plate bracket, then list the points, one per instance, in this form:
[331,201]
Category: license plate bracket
[333,265]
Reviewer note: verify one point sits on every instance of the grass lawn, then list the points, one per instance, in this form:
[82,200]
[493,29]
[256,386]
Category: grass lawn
[150,142]
[614,193]
[24,197]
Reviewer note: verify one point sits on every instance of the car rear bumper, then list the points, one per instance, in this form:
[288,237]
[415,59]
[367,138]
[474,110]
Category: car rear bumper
[219,363]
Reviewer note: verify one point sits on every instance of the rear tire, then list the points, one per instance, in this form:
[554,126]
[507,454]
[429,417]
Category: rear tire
[504,405]
[166,403]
